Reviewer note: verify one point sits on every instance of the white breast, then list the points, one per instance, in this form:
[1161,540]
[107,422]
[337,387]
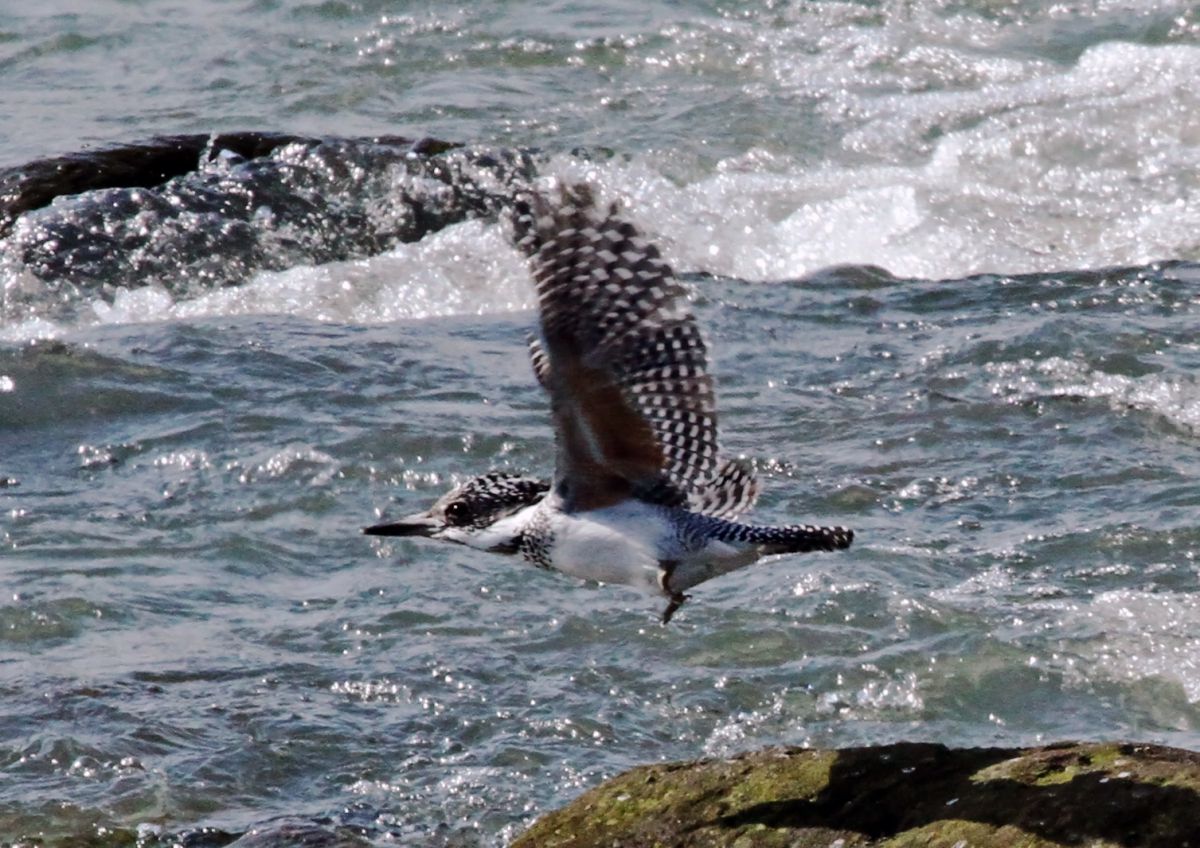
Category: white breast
[619,544]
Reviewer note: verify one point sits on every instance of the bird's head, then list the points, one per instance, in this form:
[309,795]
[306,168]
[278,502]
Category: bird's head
[473,512]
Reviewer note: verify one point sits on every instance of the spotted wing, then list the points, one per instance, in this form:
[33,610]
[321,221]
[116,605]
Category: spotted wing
[625,363]
[730,491]
[539,361]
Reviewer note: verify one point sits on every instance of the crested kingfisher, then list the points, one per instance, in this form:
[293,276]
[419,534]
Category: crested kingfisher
[641,493]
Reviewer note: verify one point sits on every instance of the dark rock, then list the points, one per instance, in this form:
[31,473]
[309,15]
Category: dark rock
[33,185]
[300,835]
[193,212]
[907,794]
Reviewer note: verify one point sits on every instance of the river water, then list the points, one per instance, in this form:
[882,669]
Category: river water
[945,255]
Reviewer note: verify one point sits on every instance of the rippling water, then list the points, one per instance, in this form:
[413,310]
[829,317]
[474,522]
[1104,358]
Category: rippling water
[196,640]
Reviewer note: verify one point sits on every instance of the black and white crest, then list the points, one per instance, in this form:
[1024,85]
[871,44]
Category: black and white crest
[480,501]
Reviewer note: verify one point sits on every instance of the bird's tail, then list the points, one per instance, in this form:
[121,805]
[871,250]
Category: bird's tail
[789,539]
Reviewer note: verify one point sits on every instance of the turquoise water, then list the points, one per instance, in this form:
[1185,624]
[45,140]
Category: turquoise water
[944,255]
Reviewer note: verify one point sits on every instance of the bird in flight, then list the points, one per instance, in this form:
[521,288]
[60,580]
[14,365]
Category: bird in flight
[641,494]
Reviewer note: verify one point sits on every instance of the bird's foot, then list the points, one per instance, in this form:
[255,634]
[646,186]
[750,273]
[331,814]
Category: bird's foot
[677,600]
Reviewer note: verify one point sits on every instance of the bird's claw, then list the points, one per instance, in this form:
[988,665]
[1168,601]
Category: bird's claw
[677,600]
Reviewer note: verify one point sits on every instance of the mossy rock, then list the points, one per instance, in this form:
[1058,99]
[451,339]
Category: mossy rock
[906,795]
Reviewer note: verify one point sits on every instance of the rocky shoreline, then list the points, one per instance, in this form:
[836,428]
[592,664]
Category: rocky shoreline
[903,795]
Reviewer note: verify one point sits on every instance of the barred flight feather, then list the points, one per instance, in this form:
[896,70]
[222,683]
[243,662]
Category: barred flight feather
[610,303]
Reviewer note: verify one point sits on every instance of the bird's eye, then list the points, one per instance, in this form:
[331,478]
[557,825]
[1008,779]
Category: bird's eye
[457,514]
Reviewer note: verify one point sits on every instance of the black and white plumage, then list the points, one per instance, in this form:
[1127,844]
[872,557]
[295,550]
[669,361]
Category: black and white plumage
[641,493]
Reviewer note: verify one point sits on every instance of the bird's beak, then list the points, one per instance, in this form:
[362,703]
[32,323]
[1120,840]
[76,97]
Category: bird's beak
[421,524]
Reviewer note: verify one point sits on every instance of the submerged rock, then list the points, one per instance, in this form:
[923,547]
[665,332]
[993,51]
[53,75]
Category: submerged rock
[189,213]
[901,796]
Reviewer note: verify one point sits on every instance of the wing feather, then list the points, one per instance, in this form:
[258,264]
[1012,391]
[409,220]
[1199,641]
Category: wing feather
[732,490]
[621,356]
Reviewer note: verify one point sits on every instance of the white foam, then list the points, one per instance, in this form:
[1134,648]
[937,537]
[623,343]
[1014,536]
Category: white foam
[467,268]
[1176,398]
[923,140]
[1010,166]
[1136,636]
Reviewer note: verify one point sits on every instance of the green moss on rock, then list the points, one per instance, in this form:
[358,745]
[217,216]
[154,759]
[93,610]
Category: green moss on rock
[900,796]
